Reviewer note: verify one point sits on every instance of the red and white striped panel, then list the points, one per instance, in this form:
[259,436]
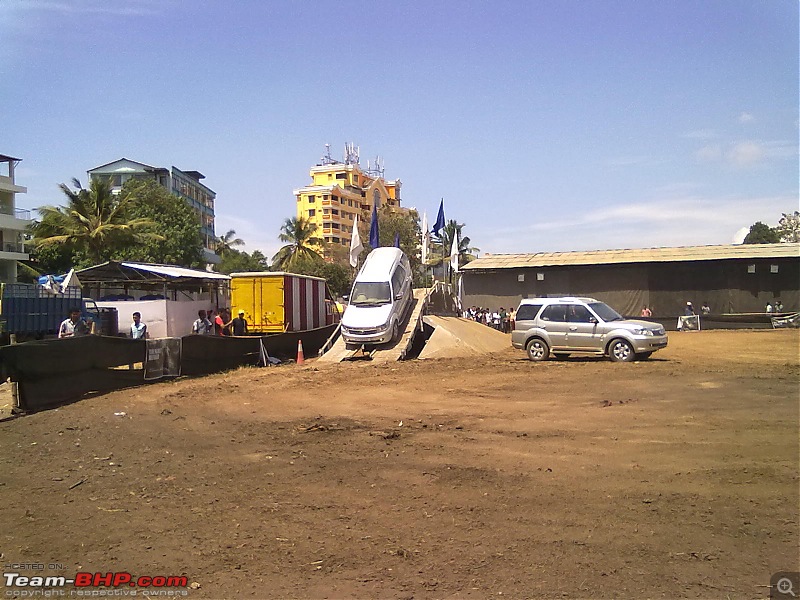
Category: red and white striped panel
[305,303]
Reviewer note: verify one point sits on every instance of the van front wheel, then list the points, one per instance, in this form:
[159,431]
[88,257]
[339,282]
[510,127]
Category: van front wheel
[396,332]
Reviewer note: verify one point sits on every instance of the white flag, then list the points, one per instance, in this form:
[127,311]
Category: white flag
[454,253]
[355,244]
[426,237]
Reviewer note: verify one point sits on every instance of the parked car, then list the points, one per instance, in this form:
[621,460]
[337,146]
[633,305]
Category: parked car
[582,325]
[379,300]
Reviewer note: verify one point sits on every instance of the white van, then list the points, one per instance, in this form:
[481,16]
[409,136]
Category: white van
[380,297]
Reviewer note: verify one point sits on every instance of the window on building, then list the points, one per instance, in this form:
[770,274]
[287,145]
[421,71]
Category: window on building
[341,176]
[326,211]
[335,240]
[355,179]
[330,176]
[312,212]
[325,197]
[334,198]
[350,203]
[311,198]
[334,211]
[334,226]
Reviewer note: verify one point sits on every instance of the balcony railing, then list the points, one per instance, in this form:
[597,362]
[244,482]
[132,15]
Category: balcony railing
[18,213]
[11,247]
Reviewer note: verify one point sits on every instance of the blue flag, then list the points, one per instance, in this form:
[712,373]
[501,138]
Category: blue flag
[374,238]
[397,240]
[439,225]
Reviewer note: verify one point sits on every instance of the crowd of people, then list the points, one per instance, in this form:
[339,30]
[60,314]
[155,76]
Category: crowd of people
[221,324]
[206,324]
[501,319]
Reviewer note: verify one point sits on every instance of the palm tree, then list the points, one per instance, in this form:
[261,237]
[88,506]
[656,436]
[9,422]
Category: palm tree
[443,243]
[94,222]
[299,232]
[225,243]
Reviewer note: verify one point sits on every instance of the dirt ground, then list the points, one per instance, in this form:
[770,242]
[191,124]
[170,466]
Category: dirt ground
[450,478]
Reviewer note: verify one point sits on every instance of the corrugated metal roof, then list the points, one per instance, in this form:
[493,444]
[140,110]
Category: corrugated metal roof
[635,255]
[169,271]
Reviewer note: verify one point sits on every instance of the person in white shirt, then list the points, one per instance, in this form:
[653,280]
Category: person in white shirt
[74,326]
[138,329]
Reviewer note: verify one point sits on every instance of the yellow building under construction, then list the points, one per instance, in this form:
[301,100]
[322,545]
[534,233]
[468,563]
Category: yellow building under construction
[340,190]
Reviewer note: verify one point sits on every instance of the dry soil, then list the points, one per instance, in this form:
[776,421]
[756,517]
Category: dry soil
[482,477]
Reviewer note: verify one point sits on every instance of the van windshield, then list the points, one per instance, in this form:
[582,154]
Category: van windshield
[371,294]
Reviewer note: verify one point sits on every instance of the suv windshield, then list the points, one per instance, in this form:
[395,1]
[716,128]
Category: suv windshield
[605,312]
[365,294]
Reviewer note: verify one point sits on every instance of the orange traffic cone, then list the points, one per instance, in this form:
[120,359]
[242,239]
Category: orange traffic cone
[300,358]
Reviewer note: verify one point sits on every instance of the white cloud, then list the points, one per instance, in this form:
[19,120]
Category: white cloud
[700,134]
[108,7]
[746,118]
[748,153]
[690,220]
[710,153]
[741,233]
[745,154]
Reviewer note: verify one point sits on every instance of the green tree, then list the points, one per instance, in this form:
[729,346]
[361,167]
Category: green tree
[762,234]
[338,275]
[238,261]
[226,243]
[300,233]
[177,224]
[93,225]
[788,228]
[51,259]
[443,244]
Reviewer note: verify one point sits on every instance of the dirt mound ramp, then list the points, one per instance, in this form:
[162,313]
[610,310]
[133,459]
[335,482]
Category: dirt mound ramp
[454,337]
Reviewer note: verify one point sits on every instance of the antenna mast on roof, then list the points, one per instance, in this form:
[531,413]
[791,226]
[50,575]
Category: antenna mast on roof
[377,168]
[327,159]
[351,154]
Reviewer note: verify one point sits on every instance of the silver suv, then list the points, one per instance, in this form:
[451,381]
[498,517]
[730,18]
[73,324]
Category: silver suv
[566,325]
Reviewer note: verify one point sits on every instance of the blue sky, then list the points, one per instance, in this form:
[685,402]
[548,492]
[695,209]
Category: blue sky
[544,125]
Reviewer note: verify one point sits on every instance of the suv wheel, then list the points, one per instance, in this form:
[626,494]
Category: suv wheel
[537,350]
[621,351]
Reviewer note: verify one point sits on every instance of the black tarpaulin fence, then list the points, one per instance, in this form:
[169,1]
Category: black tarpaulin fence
[51,372]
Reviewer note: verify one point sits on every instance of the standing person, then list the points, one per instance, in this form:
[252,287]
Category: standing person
[202,326]
[768,308]
[73,326]
[219,322]
[705,309]
[503,320]
[239,324]
[646,312]
[778,306]
[138,329]
[225,322]
[512,318]
[689,312]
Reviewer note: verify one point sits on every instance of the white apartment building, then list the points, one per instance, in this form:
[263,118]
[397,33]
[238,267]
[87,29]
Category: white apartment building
[184,184]
[13,221]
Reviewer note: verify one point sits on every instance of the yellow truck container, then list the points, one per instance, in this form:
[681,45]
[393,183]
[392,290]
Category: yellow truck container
[276,302]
